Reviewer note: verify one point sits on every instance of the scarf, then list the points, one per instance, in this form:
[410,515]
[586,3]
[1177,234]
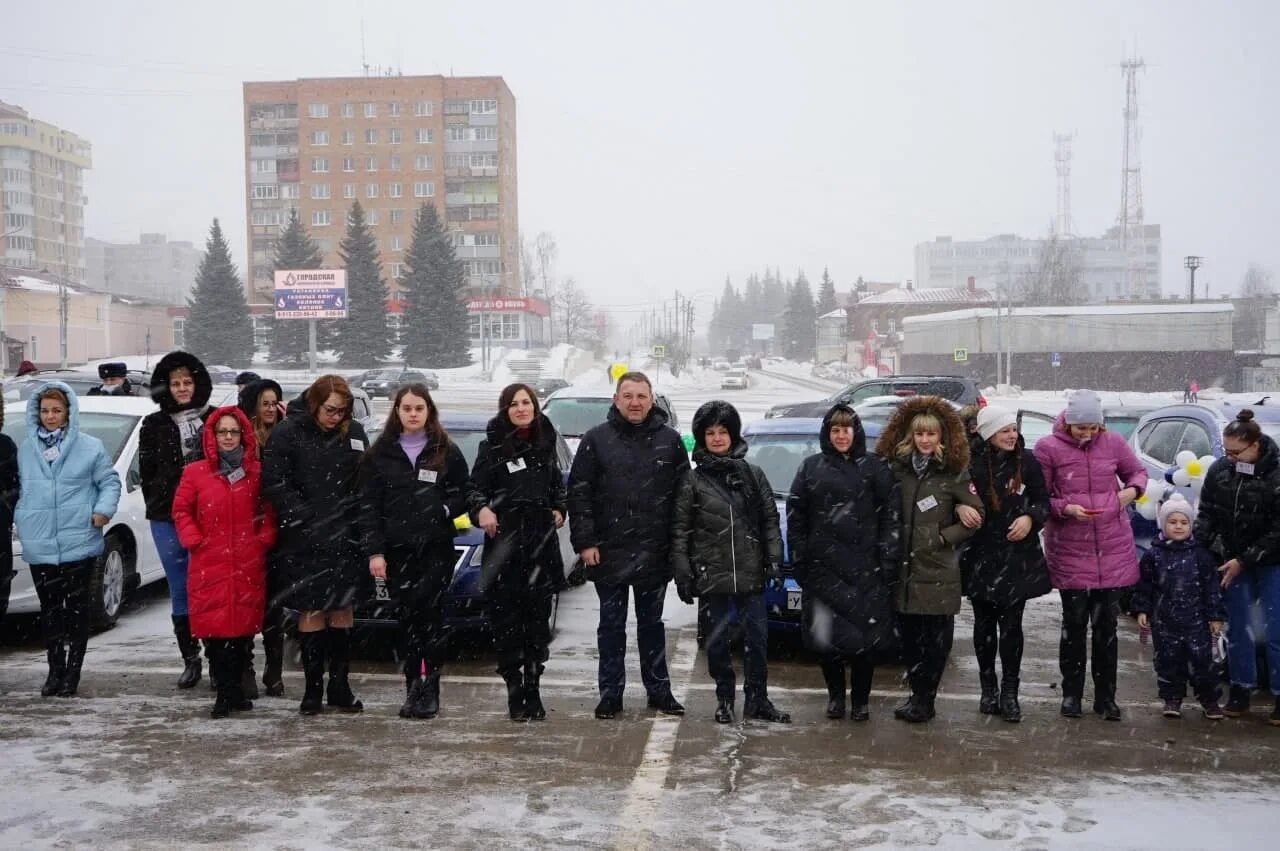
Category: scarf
[920,463]
[53,438]
[189,424]
[230,461]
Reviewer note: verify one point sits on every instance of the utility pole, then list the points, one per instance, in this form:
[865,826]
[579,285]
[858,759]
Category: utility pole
[1192,262]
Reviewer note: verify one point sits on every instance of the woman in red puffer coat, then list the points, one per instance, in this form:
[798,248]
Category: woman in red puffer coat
[227,527]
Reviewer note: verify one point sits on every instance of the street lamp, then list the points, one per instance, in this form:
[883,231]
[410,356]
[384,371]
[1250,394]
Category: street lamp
[1192,262]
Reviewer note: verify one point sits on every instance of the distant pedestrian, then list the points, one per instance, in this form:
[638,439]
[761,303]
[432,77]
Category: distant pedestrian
[244,379]
[413,482]
[843,534]
[1239,518]
[9,490]
[309,473]
[518,498]
[1003,566]
[1195,391]
[168,441]
[725,547]
[1092,476]
[26,368]
[927,448]
[69,492]
[260,401]
[621,496]
[1186,392]
[225,524]
[115,380]
[1179,597]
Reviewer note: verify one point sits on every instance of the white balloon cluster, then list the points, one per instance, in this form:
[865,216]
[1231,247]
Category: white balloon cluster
[1189,473]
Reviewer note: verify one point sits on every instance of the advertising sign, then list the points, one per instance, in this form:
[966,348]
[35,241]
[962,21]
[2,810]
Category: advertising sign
[762,331]
[311,294]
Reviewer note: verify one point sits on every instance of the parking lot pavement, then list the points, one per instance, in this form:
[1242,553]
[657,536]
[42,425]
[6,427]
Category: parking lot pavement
[136,762]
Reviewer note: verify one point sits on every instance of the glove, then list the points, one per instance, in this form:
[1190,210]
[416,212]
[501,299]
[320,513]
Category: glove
[686,593]
[774,577]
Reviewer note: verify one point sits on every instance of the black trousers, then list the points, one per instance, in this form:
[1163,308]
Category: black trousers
[418,577]
[998,627]
[862,670]
[926,640]
[63,590]
[1098,608]
[1184,652]
[228,659]
[521,627]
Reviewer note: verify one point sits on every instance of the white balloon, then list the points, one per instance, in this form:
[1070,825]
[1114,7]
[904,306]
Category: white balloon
[1184,457]
[1155,489]
[1196,485]
[1206,461]
[1181,477]
[1149,509]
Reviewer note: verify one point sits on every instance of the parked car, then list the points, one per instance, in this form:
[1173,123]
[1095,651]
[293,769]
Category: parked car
[878,409]
[572,411]
[222,374]
[547,386]
[387,382]
[962,391]
[80,380]
[130,559]
[735,379]
[362,405]
[1122,419]
[464,604]
[720,364]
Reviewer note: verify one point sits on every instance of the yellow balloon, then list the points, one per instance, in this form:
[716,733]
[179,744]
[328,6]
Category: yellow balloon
[1194,470]
[462,523]
[1142,497]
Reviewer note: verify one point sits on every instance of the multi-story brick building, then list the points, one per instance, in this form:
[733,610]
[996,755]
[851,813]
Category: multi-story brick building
[153,268]
[393,143]
[41,195]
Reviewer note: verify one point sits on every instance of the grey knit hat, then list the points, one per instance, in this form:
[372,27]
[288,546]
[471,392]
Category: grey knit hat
[1084,407]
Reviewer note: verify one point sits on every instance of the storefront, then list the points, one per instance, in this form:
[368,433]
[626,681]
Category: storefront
[513,322]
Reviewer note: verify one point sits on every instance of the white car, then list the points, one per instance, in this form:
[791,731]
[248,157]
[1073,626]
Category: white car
[720,364]
[735,379]
[878,409]
[130,559]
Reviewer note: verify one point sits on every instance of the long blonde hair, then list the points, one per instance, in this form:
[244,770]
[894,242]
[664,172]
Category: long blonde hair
[923,421]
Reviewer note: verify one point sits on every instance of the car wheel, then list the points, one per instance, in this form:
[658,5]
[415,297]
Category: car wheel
[107,583]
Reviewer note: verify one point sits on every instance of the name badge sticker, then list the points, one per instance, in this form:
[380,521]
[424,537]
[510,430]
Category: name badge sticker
[51,454]
[427,476]
[516,465]
[1022,489]
[235,475]
[357,444]
[927,504]
[1244,468]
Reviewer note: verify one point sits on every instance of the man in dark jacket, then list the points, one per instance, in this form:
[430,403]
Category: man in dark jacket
[115,380]
[621,494]
[725,544]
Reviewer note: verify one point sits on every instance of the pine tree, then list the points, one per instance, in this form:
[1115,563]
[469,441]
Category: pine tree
[827,294]
[436,325]
[363,338]
[218,329]
[801,322]
[294,249]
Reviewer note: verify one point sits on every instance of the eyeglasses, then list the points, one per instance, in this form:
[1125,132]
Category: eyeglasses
[227,432]
[1236,453]
[331,411]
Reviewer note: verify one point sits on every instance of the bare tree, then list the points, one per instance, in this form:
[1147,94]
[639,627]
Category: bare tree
[544,248]
[576,311]
[1257,282]
[528,267]
[1056,279]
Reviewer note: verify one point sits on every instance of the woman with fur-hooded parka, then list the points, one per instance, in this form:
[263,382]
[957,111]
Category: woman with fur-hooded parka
[936,490]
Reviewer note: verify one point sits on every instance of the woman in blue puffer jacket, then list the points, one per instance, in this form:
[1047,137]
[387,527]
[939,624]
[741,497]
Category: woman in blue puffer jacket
[69,491]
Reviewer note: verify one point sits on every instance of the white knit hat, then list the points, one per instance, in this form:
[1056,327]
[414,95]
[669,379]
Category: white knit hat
[991,420]
[1176,504]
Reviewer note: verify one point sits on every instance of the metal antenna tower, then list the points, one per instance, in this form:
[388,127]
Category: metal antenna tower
[1063,226]
[1132,232]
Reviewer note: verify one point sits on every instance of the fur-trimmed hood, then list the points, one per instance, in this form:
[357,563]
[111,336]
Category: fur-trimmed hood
[955,439]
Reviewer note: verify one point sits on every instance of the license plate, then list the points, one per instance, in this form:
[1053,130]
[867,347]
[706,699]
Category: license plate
[793,601]
[380,590]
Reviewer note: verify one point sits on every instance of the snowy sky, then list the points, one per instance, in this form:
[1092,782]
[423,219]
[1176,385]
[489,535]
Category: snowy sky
[668,144]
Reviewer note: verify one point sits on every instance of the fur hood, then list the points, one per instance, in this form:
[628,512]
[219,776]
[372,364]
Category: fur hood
[955,439]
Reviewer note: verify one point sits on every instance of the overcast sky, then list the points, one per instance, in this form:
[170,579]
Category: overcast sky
[669,144]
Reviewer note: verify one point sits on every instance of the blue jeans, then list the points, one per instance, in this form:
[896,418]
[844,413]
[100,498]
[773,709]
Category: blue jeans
[651,635]
[1259,584]
[755,634]
[174,559]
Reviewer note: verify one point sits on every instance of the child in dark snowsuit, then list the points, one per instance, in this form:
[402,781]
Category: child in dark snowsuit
[1178,595]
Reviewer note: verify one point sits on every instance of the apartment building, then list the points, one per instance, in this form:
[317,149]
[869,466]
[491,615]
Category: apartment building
[393,143]
[41,195]
[153,268]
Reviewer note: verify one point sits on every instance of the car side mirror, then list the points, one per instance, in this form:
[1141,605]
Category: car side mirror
[133,479]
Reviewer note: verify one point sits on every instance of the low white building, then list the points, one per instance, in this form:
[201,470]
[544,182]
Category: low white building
[152,268]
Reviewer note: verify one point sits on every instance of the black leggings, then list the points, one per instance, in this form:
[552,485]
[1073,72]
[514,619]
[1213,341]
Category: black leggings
[999,626]
[418,578]
[63,590]
[521,628]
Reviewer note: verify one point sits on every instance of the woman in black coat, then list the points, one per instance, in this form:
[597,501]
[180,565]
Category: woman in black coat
[843,528]
[8,499]
[1003,566]
[168,442]
[413,482]
[309,473]
[518,498]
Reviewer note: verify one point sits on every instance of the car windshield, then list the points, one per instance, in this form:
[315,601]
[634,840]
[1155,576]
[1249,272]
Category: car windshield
[112,429]
[572,417]
[779,455]
[385,375]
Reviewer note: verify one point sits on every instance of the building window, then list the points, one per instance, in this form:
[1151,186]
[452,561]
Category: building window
[371,190]
[395,240]
[457,133]
[318,110]
[371,136]
[393,109]
[422,162]
[422,108]
[424,189]
[348,164]
[370,110]
[179,335]
[264,166]
[264,191]
[456,160]
[348,110]
[319,137]
[348,191]
[268,217]
[393,136]
[348,137]
[397,270]
[484,107]
[290,191]
[484,161]
[319,191]
[319,165]
[457,107]
[484,134]
[422,135]
[371,164]
[489,239]
[394,164]
[319,218]
[393,190]
[397,216]
[371,217]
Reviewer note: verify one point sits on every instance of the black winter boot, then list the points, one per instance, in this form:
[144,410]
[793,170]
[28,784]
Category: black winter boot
[248,676]
[273,662]
[860,692]
[313,649]
[412,697]
[339,691]
[515,694]
[918,709]
[989,703]
[190,650]
[1237,702]
[833,673]
[429,703]
[224,702]
[75,659]
[56,652]
[533,708]
[761,708]
[1010,709]
[237,659]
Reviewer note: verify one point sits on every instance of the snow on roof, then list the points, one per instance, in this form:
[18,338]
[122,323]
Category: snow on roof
[36,285]
[930,295]
[838,313]
[1087,310]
